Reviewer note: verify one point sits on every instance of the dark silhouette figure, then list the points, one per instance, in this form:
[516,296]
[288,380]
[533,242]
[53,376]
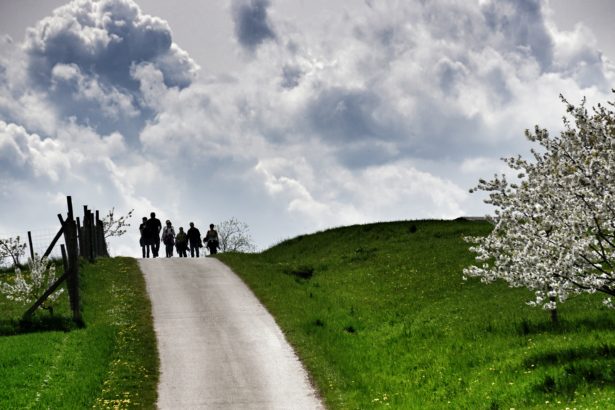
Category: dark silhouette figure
[168,238]
[181,243]
[154,226]
[145,240]
[212,240]
[194,237]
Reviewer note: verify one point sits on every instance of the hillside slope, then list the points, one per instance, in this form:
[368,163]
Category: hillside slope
[381,315]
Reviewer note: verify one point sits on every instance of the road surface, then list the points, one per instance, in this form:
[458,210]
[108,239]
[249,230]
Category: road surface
[219,348]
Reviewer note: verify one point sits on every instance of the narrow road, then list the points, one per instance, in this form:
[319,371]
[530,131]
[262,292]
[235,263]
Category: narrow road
[219,347]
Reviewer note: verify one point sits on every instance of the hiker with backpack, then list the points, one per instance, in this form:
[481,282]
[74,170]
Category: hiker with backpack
[168,238]
[212,240]
[181,243]
[194,239]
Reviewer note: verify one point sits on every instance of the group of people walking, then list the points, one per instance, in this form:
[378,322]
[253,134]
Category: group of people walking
[152,233]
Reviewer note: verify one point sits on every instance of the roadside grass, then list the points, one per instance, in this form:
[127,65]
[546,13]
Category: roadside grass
[381,316]
[111,363]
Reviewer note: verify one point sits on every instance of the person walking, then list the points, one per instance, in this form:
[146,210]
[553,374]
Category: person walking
[194,237]
[211,238]
[154,226]
[145,240]
[181,243]
[168,238]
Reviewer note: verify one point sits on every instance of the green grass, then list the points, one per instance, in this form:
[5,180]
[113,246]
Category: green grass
[381,317]
[110,363]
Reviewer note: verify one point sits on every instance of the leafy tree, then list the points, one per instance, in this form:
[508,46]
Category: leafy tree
[13,248]
[114,226]
[234,236]
[29,287]
[554,228]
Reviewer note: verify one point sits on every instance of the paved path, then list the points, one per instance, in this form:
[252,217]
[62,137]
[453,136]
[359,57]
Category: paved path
[219,348]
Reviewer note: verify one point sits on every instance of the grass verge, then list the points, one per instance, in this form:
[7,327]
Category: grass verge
[111,363]
[381,317]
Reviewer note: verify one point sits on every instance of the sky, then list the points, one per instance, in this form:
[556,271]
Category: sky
[288,115]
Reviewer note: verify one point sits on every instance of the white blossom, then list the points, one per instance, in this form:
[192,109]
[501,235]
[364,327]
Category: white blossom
[28,287]
[554,230]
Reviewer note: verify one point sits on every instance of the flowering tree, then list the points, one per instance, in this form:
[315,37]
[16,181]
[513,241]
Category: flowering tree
[114,226]
[29,287]
[234,236]
[555,228]
[13,248]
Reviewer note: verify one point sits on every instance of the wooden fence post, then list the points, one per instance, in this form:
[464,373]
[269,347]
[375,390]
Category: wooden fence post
[72,250]
[94,237]
[100,236]
[30,243]
[97,238]
[79,236]
[92,254]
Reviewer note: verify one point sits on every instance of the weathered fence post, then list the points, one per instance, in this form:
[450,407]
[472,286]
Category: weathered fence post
[94,237]
[30,243]
[87,234]
[79,236]
[100,236]
[72,248]
[64,258]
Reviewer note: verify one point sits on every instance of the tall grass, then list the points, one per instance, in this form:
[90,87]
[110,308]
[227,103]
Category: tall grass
[381,317]
[110,363]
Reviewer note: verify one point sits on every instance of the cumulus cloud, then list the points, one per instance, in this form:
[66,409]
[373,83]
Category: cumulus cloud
[85,54]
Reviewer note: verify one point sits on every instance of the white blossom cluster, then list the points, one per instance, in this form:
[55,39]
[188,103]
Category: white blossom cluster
[13,248]
[555,228]
[28,287]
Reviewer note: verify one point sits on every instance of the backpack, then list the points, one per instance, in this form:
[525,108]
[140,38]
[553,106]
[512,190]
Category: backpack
[168,239]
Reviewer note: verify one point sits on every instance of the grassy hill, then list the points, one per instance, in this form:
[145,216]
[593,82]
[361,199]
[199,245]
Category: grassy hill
[381,317]
[111,363]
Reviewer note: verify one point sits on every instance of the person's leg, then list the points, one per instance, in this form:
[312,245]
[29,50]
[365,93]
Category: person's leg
[196,250]
[143,250]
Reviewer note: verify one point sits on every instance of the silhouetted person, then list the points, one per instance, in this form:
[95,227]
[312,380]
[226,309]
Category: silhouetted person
[212,240]
[154,226]
[168,238]
[145,240]
[194,238]
[181,243]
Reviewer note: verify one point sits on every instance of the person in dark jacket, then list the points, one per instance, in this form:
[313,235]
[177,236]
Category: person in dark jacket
[181,242]
[154,226]
[145,240]
[212,240]
[194,237]
[168,238]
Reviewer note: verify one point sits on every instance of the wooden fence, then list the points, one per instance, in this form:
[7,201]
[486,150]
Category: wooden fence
[86,240]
